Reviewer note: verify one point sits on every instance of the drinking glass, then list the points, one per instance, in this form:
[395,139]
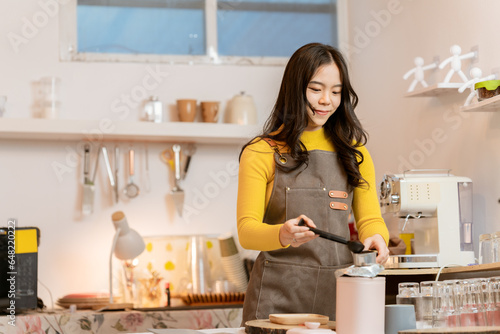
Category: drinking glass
[496,246]
[426,293]
[49,103]
[493,302]
[485,248]
[473,311]
[444,309]
[409,293]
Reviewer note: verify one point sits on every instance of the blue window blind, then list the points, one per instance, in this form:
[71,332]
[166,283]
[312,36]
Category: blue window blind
[250,28]
[274,28]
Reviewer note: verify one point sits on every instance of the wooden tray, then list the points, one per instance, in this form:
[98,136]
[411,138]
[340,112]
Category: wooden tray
[298,318]
[267,327]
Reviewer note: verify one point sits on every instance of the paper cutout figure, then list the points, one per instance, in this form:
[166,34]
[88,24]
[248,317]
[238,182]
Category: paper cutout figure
[418,73]
[455,62]
[475,74]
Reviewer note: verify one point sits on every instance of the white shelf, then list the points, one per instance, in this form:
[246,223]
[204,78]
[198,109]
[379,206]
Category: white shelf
[436,89]
[491,104]
[92,130]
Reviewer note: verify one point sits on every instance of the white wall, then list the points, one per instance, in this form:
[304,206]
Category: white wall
[401,129]
[74,250]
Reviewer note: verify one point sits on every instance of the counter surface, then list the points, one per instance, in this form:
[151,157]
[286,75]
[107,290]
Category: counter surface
[64,322]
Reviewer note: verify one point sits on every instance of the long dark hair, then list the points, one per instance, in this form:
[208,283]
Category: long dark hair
[290,111]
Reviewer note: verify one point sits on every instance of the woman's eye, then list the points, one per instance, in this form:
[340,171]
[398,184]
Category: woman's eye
[336,93]
[314,89]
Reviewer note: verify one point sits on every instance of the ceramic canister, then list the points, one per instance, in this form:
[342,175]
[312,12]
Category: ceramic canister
[360,305]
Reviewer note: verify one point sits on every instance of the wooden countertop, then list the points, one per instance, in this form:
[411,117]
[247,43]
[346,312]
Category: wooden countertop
[447,270]
[456,330]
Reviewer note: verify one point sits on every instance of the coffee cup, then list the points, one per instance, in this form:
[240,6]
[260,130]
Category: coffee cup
[186,109]
[227,245]
[399,317]
[210,111]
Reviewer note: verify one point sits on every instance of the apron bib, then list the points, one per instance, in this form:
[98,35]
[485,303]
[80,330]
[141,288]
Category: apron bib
[302,280]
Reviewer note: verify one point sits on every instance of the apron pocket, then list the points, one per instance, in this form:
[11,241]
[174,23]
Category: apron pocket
[314,203]
[287,288]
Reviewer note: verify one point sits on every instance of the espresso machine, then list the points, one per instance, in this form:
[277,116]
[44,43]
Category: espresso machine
[438,205]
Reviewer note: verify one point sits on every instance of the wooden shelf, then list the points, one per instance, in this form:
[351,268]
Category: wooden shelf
[108,130]
[491,104]
[448,270]
[436,90]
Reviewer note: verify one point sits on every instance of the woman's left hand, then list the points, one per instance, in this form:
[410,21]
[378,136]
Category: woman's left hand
[377,242]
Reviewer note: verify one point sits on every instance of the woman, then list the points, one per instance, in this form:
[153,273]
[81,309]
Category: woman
[310,162]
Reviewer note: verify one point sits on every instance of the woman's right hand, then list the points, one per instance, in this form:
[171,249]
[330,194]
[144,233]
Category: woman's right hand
[294,235]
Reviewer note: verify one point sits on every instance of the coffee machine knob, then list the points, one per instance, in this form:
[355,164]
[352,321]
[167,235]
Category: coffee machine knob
[394,198]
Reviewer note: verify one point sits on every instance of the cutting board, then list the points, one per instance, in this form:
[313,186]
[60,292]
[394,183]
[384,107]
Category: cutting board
[456,330]
[297,318]
[267,327]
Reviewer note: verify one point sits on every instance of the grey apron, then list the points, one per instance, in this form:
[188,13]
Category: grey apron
[302,279]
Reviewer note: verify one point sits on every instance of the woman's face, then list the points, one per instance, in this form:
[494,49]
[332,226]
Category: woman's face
[324,94]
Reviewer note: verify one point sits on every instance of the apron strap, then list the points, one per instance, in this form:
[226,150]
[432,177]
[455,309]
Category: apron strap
[282,159]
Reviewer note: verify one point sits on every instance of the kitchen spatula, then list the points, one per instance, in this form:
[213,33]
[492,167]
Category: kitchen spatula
[88,185]
[354,246]
[177,192]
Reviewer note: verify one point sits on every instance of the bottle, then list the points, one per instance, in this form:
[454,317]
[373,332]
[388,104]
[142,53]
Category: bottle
[153,110]
[167,292]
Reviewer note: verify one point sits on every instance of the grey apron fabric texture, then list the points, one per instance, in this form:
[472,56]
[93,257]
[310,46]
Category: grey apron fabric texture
[302,280]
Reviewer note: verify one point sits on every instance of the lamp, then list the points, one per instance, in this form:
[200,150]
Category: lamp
[127,244]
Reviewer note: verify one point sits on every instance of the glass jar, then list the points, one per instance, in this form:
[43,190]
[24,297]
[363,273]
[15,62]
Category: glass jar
[485,248]
[153,110]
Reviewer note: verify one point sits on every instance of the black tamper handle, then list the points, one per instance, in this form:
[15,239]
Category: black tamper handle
[354,246]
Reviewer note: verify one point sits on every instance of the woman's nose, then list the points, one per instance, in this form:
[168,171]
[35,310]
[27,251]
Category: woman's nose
[324,99]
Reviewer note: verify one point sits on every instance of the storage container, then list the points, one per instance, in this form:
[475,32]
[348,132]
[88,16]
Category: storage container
[487,89]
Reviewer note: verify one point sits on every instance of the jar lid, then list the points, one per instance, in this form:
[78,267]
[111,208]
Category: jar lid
[488,84]
[485,236]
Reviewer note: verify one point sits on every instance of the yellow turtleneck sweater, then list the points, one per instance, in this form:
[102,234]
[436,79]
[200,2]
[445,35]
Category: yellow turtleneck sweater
[255,184]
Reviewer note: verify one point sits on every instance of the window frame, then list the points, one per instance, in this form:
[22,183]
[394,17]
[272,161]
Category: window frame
[68,42]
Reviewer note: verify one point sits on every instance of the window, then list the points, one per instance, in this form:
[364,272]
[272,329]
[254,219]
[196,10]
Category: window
[200,31]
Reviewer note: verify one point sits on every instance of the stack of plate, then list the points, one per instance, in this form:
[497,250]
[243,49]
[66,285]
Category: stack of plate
[232,263]
[84,300]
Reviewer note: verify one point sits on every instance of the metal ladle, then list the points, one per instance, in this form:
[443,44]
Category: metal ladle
[131,189]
